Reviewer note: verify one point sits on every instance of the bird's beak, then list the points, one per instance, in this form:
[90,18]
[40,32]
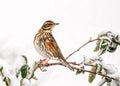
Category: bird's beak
[56,23]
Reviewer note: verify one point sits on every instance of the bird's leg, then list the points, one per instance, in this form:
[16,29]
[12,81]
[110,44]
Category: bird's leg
[43,63]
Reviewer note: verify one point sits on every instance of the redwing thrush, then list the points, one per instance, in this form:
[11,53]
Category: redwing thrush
[46,45]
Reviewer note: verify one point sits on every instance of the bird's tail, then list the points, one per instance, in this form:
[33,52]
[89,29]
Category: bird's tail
[65,63]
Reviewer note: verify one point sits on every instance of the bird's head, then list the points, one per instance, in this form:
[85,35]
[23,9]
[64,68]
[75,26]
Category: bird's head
[49,25]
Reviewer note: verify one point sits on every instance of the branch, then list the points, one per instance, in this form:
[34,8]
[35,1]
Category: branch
[79,69]
[90,40]
[75,65]
[103,75]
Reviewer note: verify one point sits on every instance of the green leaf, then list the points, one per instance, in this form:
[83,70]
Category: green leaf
[81,70]
[92,75]
[7,81]
[97,45]
[104,44]
[116,40]
[4,78]
[78,72]
[108,80]
[17,74]
[24,70]
[112,48]
[1,68]
[99,68]
[25,58]
[103,47]
[32,75]
[102,51]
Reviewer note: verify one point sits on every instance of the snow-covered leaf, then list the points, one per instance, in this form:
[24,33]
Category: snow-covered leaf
[25,82]
[108,80]
[112,47]
[35,78]
[17,74]
[102,82]
[108,84]
[103,44]
[116,40]
[115,83]
[102,51]
[110,69]
[32,75]
[92,75]
[7,81]
[102,34]
[108,42]
[97,45]
[99,68]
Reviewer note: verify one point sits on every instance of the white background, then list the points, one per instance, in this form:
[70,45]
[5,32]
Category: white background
[79,20]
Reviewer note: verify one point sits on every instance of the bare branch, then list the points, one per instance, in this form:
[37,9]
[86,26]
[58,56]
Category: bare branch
[90,40]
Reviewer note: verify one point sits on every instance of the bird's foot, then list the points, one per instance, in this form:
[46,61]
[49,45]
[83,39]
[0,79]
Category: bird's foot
[43,63]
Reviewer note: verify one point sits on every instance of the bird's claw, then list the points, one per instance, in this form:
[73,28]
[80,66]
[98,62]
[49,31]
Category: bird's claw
[42,64]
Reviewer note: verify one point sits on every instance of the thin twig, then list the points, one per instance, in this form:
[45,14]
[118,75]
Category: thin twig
[90,40]
[1,73]
[72,63]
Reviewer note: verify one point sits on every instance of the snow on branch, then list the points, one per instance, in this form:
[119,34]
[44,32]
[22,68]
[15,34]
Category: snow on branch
[105,42]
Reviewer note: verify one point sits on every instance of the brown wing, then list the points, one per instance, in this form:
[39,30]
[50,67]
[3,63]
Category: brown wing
[51,44]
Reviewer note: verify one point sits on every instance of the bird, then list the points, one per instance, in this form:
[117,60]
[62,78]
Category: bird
[46,45]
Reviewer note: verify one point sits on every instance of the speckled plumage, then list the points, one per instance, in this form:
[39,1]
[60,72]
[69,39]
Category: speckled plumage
[47,46]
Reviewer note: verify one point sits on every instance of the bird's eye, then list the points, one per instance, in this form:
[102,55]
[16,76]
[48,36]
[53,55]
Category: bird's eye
[49,24]
[46,26]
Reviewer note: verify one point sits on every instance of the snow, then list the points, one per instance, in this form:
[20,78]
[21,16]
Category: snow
[111,69]
[79,20]
[101,82]
[26,82]
[6,67]
[114,83]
